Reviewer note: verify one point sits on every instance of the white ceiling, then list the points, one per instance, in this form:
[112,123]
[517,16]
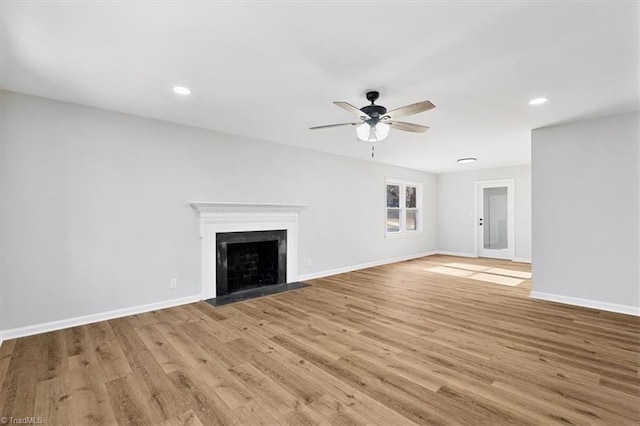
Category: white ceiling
[271,69]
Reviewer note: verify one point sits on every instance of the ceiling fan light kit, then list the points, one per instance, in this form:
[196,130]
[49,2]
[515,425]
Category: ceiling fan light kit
[375,133]
[376,121]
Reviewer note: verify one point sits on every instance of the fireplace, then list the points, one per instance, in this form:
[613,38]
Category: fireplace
[246,260]
[218,218]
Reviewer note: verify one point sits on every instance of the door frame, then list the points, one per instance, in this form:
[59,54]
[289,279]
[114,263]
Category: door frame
[508,254]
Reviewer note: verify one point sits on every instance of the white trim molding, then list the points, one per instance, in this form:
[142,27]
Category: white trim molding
[586,303]
[455,253]
[460,254]
[30,330]
[352,268]
[216,217]
[210,207]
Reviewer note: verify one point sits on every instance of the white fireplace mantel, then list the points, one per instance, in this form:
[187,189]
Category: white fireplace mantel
[204,207]
[216,217]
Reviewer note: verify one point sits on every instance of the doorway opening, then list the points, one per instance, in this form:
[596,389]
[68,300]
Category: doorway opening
[495,225]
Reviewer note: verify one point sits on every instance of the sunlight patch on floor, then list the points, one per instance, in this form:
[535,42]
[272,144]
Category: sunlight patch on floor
[510,273]
[502,276]
[468,266]
[496,279]
[449,271]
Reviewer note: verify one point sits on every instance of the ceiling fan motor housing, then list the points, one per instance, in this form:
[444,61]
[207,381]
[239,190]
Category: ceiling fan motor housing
[376,112]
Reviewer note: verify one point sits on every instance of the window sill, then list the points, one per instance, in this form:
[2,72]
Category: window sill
[403,234]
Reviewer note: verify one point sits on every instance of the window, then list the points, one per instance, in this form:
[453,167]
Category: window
[404,214]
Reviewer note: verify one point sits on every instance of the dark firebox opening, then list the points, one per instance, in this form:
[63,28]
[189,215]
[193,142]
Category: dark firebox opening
[248,260]
[251,265]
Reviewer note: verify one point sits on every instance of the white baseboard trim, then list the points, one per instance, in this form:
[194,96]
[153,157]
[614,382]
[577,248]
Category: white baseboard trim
[336,271]
[586,303]
[88,319]
[461,254]
[455,253]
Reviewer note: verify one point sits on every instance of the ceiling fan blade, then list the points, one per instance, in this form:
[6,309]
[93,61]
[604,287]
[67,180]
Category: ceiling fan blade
[407,127]
[353,110]
[410,109]
[333,125]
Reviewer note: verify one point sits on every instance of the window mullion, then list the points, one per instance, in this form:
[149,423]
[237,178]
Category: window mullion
[402,208]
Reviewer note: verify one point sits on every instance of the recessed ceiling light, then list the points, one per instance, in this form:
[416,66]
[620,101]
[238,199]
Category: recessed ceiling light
[538,101]
[182,90]
[467,160]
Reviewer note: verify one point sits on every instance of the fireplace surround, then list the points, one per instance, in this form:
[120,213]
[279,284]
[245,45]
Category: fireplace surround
[219,218]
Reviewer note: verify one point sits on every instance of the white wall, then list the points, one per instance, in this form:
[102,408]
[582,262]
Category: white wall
[456,209]
[585,213]
[95,209]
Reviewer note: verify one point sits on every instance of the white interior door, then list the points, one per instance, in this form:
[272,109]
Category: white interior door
[495,201]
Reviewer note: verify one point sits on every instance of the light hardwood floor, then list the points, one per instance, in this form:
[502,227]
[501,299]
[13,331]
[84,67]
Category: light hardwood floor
[429,341]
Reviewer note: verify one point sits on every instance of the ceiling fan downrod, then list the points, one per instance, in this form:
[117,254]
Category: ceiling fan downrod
[376,112]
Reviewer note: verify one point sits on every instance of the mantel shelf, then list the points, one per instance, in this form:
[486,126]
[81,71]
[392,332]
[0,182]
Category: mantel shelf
[216,207]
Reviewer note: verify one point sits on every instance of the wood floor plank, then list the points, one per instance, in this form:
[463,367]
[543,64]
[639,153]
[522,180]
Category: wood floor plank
[163,352]
[54,347]
[89,402]
[108,351]
[19,387]
[269,393]
[209,408]
[435,340]
[216,349]
[188,418]
[78,340]
[6,350]
[304,390]
[127,337]
[52,401]
[131,401]
[165,399]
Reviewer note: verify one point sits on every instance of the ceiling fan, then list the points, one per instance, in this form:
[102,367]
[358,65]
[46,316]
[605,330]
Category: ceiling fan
[375,120]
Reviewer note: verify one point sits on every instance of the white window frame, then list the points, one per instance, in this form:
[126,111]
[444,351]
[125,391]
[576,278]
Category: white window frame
[403,209]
